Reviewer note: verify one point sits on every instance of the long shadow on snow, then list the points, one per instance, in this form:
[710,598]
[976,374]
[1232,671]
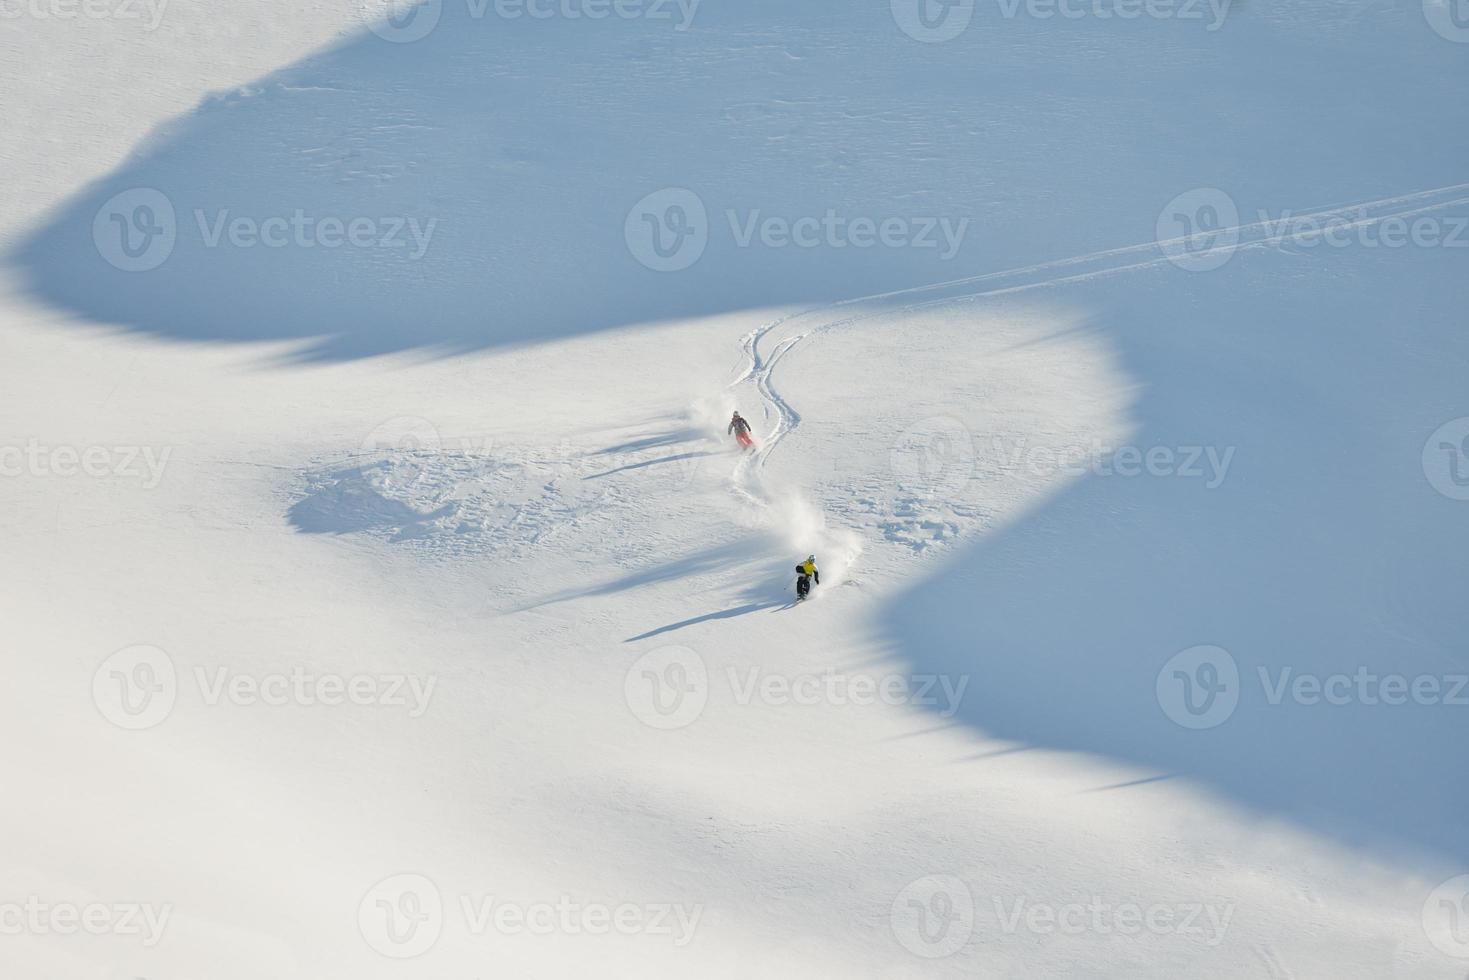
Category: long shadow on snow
[518,149]
[671,438]
[753,549]
[731,613]
[675,458]
[1324,552]
[763,592]
[497,162]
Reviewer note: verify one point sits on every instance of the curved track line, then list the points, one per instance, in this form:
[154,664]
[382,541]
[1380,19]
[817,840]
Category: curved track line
[1257,234]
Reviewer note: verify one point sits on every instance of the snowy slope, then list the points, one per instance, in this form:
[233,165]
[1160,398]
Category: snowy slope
[416,619]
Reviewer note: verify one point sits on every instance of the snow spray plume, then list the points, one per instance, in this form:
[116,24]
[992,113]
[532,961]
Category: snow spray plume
[711,415]
[801,526]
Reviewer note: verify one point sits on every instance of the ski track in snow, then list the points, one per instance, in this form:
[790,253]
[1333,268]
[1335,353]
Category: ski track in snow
[514,499]
[1108,262]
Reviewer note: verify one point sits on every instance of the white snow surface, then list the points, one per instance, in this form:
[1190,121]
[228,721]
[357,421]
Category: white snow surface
[417,618]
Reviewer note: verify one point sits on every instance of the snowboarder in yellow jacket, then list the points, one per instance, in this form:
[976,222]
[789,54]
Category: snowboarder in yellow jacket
[809,567]
[806,573]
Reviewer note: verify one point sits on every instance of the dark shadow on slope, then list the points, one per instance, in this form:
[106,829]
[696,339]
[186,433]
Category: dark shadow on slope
[765,588]
[1324,550]
[743,610]
[676,458]
[492,170]
[752,549]
[1130,783]
[673,438]
[485,185]
[997,753]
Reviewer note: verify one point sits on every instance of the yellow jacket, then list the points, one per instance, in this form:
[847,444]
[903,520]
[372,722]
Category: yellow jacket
[809,567]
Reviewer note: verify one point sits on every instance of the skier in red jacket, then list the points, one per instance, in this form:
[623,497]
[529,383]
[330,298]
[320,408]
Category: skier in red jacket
[741,430]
